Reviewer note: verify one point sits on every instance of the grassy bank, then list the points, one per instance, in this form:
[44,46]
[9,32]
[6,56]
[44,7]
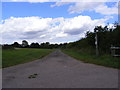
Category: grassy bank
[18,56]
[87,57]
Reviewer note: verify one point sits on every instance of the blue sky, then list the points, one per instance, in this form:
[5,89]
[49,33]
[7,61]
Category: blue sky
[54,22]
[26,9]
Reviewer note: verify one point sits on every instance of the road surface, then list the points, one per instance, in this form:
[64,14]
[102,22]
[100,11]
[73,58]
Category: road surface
[58,70]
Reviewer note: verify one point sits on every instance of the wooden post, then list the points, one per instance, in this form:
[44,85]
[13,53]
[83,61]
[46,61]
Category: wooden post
[96,43]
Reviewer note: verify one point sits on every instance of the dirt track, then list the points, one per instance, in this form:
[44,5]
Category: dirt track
[57,70]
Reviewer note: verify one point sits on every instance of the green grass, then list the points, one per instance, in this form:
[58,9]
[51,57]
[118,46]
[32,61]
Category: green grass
[18,56]
[87,57]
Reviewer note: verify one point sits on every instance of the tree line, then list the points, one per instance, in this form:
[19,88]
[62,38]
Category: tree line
[44,45]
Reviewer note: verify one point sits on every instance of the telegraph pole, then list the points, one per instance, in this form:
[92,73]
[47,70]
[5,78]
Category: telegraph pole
[96,42]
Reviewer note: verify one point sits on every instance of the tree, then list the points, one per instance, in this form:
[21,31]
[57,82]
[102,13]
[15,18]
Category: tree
[116,36]
[16,44]
[34,45]
[105,37]
[24,43]
[45,45]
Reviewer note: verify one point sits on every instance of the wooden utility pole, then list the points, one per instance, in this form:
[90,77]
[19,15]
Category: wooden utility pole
[96,42]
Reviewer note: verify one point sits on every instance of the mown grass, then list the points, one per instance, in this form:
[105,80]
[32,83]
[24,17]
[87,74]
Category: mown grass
[87,57]
[18,56]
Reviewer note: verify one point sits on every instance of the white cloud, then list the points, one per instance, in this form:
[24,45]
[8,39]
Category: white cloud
[26,24]
[90,5]
[60,4]
[98,7]
[105,10]
[61,34]
[37,29]
[83,6]
[42,36]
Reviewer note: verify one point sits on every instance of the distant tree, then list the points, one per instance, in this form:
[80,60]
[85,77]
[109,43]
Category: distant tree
[7,46]
[34,45]
[60,45]
[45,45]
[56,45]
[42,45]
[51,46]
[16,44]
[25,43]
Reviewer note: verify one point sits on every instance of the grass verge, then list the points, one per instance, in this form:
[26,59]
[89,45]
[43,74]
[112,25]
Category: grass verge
[18,56]
[86,57]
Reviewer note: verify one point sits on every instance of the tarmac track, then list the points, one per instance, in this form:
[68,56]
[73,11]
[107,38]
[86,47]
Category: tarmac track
[58,70]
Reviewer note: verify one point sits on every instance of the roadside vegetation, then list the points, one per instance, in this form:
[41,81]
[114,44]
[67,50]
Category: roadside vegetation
[85,49]
[87,56]
[16,56]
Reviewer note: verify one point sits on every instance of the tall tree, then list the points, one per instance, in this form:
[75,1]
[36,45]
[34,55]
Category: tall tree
[24,43]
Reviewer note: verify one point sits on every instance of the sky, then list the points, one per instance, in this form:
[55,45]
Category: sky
[54,22]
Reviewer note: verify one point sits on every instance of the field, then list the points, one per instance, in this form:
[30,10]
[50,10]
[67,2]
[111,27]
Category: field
[18,56]
[86,57]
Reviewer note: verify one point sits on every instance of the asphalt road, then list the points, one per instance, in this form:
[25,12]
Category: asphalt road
[57,70]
